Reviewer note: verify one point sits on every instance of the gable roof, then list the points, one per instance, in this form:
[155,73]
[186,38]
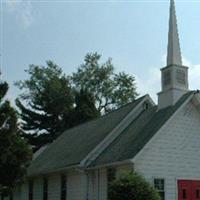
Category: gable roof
[138,133]
[75,144]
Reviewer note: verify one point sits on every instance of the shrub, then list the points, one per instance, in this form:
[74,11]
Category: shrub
[132,186]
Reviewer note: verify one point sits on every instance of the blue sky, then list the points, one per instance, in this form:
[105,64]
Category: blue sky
[132,33]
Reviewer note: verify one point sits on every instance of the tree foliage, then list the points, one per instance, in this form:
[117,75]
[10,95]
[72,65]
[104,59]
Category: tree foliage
[132,187]
[52,102]
[85,107]
[15,154]
[49,105]
[48,98]
[110,90]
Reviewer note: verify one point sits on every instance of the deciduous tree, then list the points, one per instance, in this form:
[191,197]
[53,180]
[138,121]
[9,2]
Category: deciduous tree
[52,102]
[110,90]
[49,105]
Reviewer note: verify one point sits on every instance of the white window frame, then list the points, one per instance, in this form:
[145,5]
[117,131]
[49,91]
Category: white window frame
[163,190]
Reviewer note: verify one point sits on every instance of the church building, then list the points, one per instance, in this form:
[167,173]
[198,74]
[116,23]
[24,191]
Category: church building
[161,142]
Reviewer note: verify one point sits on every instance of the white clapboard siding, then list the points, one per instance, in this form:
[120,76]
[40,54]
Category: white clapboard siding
[103,185]
[93,185]
[54,187]
[37,189]
[76,185]
[98,184]
[174,153]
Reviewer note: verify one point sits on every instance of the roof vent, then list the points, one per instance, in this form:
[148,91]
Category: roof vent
[145,105]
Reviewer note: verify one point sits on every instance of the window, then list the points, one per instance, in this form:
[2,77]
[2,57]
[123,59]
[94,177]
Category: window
[45,188]
[180,76]
[184,194]
[167,78]
[11,197]
[63,187]
[159,185]
[30,190]
[111,174]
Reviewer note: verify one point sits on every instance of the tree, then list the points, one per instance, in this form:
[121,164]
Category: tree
[49,105]
[48,101]
[15,155]
[132,187]
[52,102]
[110,90]
[85,107]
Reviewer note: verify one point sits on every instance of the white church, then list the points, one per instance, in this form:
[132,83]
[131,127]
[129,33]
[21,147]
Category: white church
[161,142]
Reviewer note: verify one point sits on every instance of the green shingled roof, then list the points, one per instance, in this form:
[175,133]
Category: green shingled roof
[74,144]
[138,133]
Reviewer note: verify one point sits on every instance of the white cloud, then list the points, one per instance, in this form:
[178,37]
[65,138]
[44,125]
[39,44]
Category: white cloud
[21,10]
[152,85]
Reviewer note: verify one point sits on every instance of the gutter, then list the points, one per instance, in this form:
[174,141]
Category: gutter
[129,161]
[54,171]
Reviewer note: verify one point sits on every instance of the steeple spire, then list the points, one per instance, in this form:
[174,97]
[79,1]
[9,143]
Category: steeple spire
[174,52]
[174,77]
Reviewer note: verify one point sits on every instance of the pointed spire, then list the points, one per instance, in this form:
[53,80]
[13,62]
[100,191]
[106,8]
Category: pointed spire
[174,52]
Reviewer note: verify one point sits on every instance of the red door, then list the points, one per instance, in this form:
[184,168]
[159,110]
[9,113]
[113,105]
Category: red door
[188,190]
[184,190]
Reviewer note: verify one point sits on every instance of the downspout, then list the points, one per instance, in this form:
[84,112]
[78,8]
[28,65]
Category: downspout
[98,183]
[87,185]
[83,170]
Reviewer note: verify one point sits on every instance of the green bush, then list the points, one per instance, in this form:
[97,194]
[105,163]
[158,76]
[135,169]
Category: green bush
[131,187]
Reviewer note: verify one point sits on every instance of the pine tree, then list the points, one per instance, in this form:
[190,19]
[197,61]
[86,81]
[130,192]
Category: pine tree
[15,154]
[49,105]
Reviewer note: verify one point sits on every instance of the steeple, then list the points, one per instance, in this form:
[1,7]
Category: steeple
[174,76]
[174,52]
